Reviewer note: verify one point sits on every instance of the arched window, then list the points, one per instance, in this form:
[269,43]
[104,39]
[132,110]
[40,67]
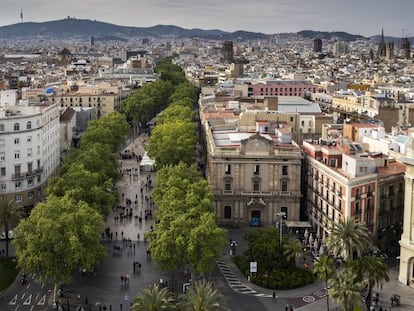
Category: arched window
[29,125]
[16,126]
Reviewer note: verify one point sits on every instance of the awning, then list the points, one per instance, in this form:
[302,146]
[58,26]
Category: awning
[297,224]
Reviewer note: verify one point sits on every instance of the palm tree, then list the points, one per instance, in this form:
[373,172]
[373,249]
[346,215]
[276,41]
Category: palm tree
[375,272]
[347,237]
[10,215]
[154,299]
[324,270]
[292,249]
[346,289]
[202,297]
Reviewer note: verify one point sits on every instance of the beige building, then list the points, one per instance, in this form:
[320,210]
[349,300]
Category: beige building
[254,174]
[406,275]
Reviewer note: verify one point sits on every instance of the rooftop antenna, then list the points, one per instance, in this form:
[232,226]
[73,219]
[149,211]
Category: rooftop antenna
[21,13]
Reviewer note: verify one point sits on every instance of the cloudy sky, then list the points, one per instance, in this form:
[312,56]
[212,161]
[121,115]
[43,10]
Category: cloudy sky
[364,17]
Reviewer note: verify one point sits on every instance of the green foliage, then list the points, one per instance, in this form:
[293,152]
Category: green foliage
[153,299]
[347,237]
[346,289]
[176,113]
[59,237]
[109,130]
[172,142]
[186,224]
[170,72]
[184,90]
[324,270]
[8,272]
[10,215]
[274,269]
[202,297]
[83,185]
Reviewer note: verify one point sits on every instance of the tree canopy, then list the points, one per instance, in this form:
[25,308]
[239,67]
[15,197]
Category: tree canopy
[60,236]
[186,224]
[172,142]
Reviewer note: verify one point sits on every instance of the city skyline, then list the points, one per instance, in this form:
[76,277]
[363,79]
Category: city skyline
[365,18]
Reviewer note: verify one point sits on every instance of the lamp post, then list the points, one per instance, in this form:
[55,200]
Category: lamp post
[281,215]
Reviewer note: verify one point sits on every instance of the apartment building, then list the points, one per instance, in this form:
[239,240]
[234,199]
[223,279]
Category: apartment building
[282,88]
[343,181]
[29,151]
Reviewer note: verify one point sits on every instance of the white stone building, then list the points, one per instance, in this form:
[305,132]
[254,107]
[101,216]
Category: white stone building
[29,151]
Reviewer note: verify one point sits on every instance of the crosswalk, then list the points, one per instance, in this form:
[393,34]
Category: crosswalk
[235,282]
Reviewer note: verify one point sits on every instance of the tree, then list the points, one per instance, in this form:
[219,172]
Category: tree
[292,249]
[184,90]
[373,270]
[346,289]
[264,247]
[202,297]
[59,237]
[10,215]
[154,299]
[324,270]
[83,185]
[176,113]
[347,237]
[172,142]
[186,224]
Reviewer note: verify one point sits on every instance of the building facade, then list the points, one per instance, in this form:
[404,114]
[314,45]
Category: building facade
[29,151]
[343,182]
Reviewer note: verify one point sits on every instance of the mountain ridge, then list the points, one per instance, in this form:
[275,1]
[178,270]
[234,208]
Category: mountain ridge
[72,27]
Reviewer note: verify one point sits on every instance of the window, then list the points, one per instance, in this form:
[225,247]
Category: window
[2,156]
[357,208]
[1,127]
[227,169]
[29,139]
[29,152]
[3,186]
[284,170]
[2,142]
[16,141]
[256,170]
[17,155]
[17,184]
[284,185]
[18,197]
[30,183]
[30,195]
[284,210]
[227,211]
[16,126]
[29,125]
[3,171]
[256,185]
[302,123]
[227,185]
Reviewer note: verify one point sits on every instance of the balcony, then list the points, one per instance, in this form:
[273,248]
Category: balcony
[284,193]
[227,192]
[357,196]
[256,193]
[18,176]
[369,194]
[339,193]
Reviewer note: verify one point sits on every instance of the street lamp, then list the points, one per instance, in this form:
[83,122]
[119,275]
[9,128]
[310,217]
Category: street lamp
[281,215]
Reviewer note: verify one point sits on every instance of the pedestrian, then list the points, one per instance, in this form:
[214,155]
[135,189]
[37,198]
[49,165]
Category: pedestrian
[134,247]
[274,296]
[86,300]
[139,266]
[134,265]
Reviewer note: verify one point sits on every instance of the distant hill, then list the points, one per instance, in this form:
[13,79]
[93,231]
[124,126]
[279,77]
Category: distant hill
[324,35]
[71,27]
[83,28]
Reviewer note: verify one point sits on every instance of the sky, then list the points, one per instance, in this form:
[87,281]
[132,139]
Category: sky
[362,17]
